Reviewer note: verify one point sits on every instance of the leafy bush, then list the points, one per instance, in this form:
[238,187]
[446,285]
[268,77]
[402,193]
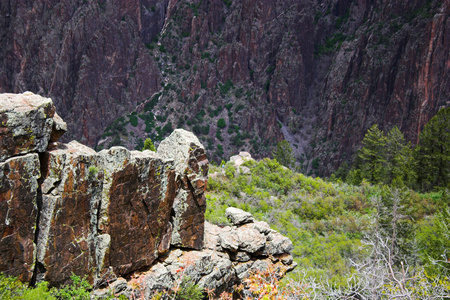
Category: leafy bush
[93,171]
[79,289]
[326,222]
[221,123]
[12,288]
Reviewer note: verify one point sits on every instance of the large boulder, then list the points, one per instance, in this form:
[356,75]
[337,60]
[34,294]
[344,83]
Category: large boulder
[70,197]
[27,123]
[191,166]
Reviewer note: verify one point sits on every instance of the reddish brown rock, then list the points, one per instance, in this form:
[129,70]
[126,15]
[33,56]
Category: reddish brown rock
[18,215]
[96,214]
[138,194]
[63,56]
[102,210]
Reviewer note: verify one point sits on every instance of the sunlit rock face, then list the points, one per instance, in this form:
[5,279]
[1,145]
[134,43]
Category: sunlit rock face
[67,209]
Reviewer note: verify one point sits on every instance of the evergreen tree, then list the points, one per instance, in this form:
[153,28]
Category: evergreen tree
[433,152]
[372,155]
[399,160]
[284,154]
[148,145]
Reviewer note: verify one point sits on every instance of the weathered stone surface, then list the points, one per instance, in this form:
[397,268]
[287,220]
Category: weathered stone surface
[191,166]
[237,216]
[102,214]
[115,206]
[243,238]
[215,267]
[18,215]
[277,244]
[71,195]
[27,121]
[138,193]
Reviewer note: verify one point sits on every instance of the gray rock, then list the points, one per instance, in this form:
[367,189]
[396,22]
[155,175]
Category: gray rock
[240,256]
[191,166]
[239,159]
[244,238]
[212,240]
[26,123]
[242,269]
[237,216]
[262,227]
[159,278]
[277,244]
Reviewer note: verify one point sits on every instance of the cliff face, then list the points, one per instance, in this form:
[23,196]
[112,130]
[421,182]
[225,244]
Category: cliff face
[67,209]
[317,73]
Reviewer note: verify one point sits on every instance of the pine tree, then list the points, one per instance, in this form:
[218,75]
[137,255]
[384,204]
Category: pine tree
[284,154]
[372,155]
[433,152]
[399,160]
[148,145]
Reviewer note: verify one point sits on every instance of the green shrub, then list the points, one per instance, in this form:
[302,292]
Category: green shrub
[12,288]
[148,145]
[79,289]
[133,120]
[189,290]
[230,170]
[221,123]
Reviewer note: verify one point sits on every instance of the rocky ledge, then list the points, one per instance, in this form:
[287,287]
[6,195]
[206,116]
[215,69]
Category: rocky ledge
[67,209]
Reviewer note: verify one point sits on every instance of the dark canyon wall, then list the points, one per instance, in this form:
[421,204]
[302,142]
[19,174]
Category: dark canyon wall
[318,73]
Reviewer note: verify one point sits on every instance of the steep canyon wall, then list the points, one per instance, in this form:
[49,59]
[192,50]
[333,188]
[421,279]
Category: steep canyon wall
[318,73]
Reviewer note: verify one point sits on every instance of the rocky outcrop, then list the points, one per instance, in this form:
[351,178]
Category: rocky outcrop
[18,215]
[230,255]
[67,209]
[115,206]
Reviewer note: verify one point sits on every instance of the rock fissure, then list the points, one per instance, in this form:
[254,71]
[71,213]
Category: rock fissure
[38,267]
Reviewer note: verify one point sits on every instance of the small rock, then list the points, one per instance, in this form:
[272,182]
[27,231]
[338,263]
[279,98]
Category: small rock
[238,217]
[277,244]
[240,256]
[262,227]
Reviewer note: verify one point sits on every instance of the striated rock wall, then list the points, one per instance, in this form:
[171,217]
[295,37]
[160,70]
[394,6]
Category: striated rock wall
[67,209]
[323,70]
